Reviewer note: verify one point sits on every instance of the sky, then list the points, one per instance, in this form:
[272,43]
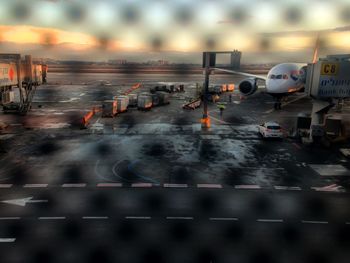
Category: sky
[176,30]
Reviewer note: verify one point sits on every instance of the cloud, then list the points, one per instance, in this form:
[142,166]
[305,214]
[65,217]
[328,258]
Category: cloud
[52,37]
[307,32]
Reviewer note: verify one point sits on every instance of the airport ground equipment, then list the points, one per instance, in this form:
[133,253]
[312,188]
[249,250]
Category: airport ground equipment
[164,98]
[193,104]
[172,88]
[109,108]
[122,103]
[230,87]
[87,117]
[134,87]
[155,99]
[160,98]
[327,81]
[132,99]
[301,126]
[144,102]
[215,89]
[23,75]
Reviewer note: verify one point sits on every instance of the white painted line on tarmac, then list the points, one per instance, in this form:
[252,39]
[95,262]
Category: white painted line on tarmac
[138,217]
[248,186]
[95,217]
[141,185]
[74,185]
[296,145]
[290,188]
[314,222]
[7,240]
[262,168]
[51,217]
[221,121]
[209,186]
[35,185]
[270,220]
[176,185]
[109,185]
[179,217]
[286,103]
[10,218]
[6,185]
[329,188]
[223,218]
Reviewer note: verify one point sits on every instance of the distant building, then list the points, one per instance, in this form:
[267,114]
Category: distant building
[236,59]
[160,62]
[118,61]
[163,62]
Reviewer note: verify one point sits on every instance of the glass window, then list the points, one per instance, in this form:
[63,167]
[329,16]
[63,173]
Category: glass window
[274,127]
[279,77]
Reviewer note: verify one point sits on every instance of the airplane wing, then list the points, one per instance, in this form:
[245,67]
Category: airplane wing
[242,73]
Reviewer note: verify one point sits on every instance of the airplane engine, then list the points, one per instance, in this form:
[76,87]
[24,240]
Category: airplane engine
[248,86]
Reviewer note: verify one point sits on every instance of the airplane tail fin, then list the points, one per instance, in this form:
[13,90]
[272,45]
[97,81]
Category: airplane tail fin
[315,56]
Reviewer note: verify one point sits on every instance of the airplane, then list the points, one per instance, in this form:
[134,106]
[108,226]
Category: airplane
[281,80]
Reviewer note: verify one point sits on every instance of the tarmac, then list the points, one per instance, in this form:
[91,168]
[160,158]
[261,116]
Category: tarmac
[154,186]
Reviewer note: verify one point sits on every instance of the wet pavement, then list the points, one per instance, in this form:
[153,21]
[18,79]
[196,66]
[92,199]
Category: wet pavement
[163,145]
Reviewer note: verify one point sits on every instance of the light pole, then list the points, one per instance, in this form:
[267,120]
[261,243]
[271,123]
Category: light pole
[206,63]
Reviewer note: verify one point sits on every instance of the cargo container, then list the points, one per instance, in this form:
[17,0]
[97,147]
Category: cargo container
[109,108]
[182,87]
[164,88]
[230,87]
[7,97]
[145,94]
[155,99]
[144,102]
[163,97]
[215,89]
[122,103]
[132,100]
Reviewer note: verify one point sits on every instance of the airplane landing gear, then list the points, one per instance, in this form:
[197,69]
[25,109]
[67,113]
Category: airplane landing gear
[278,105]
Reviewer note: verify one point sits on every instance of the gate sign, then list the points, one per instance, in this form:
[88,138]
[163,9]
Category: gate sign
[329,79]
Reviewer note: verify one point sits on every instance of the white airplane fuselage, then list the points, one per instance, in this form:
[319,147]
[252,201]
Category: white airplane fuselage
[285,78]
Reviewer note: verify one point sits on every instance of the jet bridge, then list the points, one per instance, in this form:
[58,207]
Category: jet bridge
[328,84]
[21,74]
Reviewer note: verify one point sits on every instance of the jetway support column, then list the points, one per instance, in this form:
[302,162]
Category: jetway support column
[319,110]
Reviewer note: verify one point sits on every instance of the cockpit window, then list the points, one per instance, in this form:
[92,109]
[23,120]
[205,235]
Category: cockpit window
[279,77]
